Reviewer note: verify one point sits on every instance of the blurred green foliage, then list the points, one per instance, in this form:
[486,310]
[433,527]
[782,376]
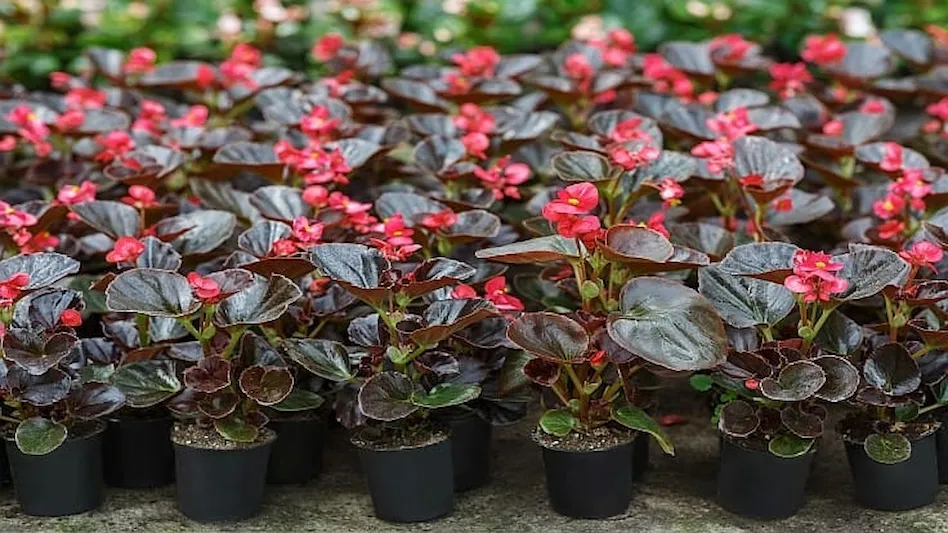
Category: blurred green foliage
[41,36]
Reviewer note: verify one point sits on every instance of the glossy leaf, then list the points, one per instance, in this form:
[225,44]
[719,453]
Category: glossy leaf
[387,396]
[264,300]
[789,446]
[151,292]
[446,395]
[209,375]
[146,383]
[324,358]
[797,381]
[550,336]
[636,419]
[889,448]
[891,369]
[738,419]
[266,385]
[745,302]
[531,251]
[558,422]
[39,436]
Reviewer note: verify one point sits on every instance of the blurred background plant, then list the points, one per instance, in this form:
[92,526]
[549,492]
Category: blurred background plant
[41,36]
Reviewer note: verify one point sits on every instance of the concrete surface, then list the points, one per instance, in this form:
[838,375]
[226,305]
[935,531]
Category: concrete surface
[676,496]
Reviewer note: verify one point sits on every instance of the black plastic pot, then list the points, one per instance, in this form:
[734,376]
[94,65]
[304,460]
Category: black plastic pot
[67,480]
[297,455]
[941,444]
[571,496]
[470,449]
[758,484]
[5,478]
[221,485]
[410,485]
[895,487]
[138,453]
[640,451]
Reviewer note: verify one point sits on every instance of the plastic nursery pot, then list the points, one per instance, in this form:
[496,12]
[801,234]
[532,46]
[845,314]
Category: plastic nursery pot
[895,487]
[5,478]
[941,442]
[216,484]
[297,455]
[470,448]
[566,470]
[409,484]
[640,452]
[138,452]
[67,480]
[758,484]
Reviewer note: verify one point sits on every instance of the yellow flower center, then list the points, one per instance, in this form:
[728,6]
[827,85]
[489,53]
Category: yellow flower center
[820,264]
[573,201]
[888,205]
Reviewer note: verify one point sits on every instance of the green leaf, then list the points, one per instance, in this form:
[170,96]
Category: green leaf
[300,400]
[889,449]
[789,446]
[327,359]
[236,429]
[96,373]
[558,422]
[39,436]
[634,418]
[147,383]
[446,395]
[701,382]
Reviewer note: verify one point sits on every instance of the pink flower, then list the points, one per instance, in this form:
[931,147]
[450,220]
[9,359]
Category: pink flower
[7,143]
[343,203]
[283,248]
[30,243]
[70,120]
[892,158]
[718,154]
[115,144]
[578,67]
[495,290]
[12,218]
[76,194]
[60,80]
[833,128]
[890,229]
[394,252]
[823,49]
[396,232]
[441,220]
[11,287]
[307,232]
[140,60]
[474,119]
[319,124]
[655,222]
[808,264]
[70,318]
[463,292]
[670,191]
[628,130]
[125,250]
[576,199]
[140,197]
[480,61]
[789,79]
[327,47]
[629,160]
[31,127]
[316,196]
[577,226]
[503,177]
[939,109]
[206,289]
[85,98]
[730,48]
[872,106]
[732,124]
[888,207]
[814,278]
[196,117]
[617,48]
[923,254]
[476,144]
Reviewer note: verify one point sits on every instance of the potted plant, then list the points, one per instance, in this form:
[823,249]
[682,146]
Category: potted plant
[222,446]
[395,384]
[54,431]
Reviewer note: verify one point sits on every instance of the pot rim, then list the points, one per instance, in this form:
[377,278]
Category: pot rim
[737,444]
[438,440]
[634,436]
[271,437]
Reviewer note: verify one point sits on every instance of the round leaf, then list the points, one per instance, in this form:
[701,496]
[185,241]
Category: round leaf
[39,436]
[266,385]
[558,422]
[387,396]
[789,446]
[147,383]
[446,395]
[738,419]
[327,359]
[797,381]
[151,292]
[299,400]
[745,302]
[549,336]
[889,449]
[892,370]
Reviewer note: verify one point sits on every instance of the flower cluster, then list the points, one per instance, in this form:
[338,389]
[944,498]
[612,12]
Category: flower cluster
[815,277]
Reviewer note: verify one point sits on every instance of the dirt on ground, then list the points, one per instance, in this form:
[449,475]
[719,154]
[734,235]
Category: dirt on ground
[675,496]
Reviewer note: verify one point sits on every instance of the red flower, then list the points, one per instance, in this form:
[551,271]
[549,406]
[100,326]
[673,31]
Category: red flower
[872,106]
[789,79]
[393,252]
[71,318]
[125,250]
[495,290]
[718,154]
[823,50]
[784,204]
[196,117]
[7,143]
[476,144]
[139,61]
[598,359]
[115,144]
[833,128]
[576,199]
[440,220]
[140,197]
[890,229]
[892,159]
[628,130]
[617,48]
[319,123]
[463,292]
[307,232]
[30,243]
[60,80]
[630,160]
[247,54]
[577,226]
[11,287]
[206,289]
[888,207]
[751,384]
[732,124]
[76,194]
[478,61]
[70,120]
[923,253]
[474,119]
[578,67]
[319,286]
[205,76]
[396,232]
[31,127]
[13,218]
[85,98]
[730,48]
[283,248]
[814,278]
[670,191]
[655,222]
[316,196]
[503,177]
[327,47]
[339,201]
[809,264]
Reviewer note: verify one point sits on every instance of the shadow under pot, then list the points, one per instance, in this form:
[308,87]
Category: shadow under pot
[218,480]
[138,452]
[941,443]
[410,481]
[900,486]
[65,481]
[569,460]
[470,448]
[297,455]
[758,484]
